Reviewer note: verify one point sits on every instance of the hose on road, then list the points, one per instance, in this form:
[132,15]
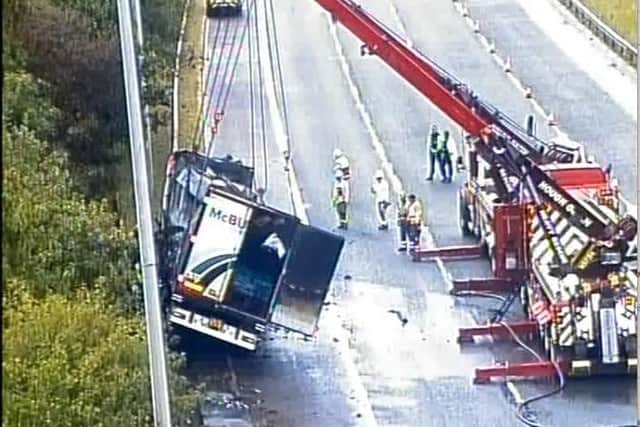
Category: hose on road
[522,406]
[498,317]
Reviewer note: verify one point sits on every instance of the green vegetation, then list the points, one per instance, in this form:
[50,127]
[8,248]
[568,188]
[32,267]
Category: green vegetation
[620,14]
[74,340]
[191,65]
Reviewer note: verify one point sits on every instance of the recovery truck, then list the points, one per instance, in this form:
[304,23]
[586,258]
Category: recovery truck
[233,265]
[548,217]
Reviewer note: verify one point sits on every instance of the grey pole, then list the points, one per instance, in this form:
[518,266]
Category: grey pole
[137,16]
[155,338]
[638,241]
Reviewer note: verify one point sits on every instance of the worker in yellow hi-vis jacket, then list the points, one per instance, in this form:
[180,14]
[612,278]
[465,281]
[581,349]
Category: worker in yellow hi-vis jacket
[415,215]
[340,202]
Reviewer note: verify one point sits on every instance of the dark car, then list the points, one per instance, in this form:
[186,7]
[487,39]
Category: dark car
[223,8]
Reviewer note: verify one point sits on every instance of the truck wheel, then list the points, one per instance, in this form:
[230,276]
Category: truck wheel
[580,349]
[492,258]
[545,334]
[524,300]
[464,216]
[631,347]
[174,340]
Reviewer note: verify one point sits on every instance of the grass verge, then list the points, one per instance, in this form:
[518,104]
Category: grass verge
[619,14]
[191,64]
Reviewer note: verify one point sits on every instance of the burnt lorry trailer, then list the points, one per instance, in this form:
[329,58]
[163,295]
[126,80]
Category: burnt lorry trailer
[235,266]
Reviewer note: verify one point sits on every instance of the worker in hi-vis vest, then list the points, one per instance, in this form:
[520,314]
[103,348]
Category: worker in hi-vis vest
[432,148]
[414,221]
[380,191]
[403,212]
[340,202]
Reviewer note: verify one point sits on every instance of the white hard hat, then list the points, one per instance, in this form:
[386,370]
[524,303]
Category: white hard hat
[379,174]
[337,153]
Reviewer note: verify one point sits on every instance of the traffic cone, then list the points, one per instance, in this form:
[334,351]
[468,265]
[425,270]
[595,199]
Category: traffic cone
[492,47]
[507,66]
[465,11]
[476,26]
[551,120]
[528,93]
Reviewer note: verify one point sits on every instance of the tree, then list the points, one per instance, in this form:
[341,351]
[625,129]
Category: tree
[24,103]
[77,362]
[51,235]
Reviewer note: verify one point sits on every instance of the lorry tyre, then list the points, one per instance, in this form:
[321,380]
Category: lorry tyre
[492,258]
[174,339]
[581,351]
[464,216]
[545,334]
[524,300]
[631,347]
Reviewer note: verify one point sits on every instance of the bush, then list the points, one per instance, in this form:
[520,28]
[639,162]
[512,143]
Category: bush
[76,362]
[51,235]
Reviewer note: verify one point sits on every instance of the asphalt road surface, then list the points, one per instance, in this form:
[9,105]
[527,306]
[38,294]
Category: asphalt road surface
[366,368]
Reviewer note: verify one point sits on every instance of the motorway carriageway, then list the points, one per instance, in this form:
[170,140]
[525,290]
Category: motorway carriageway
[366,368]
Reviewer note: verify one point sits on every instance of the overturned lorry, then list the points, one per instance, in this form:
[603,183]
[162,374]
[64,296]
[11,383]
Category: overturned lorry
[233,266]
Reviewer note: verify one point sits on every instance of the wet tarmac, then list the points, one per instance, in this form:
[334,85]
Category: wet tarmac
[386,352]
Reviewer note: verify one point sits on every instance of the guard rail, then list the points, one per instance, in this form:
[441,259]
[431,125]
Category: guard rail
[601,30]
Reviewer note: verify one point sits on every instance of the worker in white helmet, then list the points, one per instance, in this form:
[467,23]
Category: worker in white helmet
[341,163]
[340,200]
[415,215]
[403,213]
[380,191]
[339,181]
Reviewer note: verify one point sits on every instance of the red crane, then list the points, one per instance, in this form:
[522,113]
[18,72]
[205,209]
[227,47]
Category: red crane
[512,152]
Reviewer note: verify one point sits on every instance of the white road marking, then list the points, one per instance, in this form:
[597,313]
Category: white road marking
[593,61]
[331,317]
[502,62]
[515,394]
[377,144]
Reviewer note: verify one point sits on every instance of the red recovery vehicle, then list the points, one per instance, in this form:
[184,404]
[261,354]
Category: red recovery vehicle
[549,220]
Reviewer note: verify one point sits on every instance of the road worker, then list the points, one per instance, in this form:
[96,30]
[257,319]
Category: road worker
[432,147]
[341,163]
[403,211]
[444,158]
[339,181]
[380,191]
[414,221]
[340,202]
[341,166]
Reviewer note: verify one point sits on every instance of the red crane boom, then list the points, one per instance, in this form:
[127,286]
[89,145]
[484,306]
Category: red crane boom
[415,69]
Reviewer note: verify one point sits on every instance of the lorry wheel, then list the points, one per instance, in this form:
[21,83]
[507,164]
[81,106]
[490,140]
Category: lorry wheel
[464,216]
[492,258]
[174,341]
[631,347]
[524,300]
[581,350]
[547,346]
